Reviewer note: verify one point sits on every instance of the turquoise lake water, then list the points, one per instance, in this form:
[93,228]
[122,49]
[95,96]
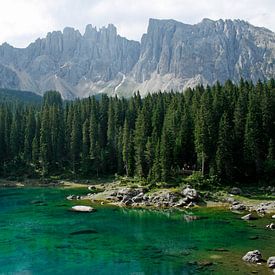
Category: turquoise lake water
[39,235]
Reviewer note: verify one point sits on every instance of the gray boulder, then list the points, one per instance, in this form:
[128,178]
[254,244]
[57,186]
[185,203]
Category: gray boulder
[190,193]
[138,198]
[190,204]
[83,208]
[271,262]
[237,206]
[181,202]
[235,191]
[249,217]
[254,256]
[73,197]
[271,226]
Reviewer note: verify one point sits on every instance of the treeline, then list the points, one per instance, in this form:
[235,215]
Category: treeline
[15,96]
[225,130]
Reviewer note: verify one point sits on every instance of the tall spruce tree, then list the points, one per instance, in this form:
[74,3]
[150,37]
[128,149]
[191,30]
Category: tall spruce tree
[224,155]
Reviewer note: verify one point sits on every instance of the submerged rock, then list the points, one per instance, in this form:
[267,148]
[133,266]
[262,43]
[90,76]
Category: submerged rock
[253,237]
[254,256]
[221,249]
[83,208]
[201,264]
[84,232]
[204,263]
[63,246]
[37,202]
[190,218]
[271,262]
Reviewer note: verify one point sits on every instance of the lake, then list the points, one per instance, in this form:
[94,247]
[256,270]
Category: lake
[39,235]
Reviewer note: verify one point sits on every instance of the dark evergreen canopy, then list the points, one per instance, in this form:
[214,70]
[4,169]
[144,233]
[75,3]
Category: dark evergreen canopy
[225,130]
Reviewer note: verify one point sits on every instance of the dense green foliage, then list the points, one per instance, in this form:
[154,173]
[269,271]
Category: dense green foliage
[225,131]
[12,96]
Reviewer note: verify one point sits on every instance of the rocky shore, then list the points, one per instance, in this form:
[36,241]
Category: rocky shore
[184,197]
[142,196]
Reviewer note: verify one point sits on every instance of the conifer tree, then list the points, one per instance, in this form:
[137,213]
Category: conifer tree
[253,135]
[224,159]
[126,147]
[85,155]
[45,142]
[139,145]
[75,144]
[29,135]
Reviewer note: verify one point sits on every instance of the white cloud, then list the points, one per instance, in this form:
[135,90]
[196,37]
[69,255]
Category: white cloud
[21,22]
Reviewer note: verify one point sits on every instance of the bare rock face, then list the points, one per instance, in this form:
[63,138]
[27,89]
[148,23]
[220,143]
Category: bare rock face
[208,51]
[171,55]
[68,61]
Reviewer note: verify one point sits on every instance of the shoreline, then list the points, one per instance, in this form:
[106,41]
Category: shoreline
[115,193]
[174,198]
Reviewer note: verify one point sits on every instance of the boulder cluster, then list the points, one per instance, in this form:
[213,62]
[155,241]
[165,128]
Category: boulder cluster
[136,197]
[255,257]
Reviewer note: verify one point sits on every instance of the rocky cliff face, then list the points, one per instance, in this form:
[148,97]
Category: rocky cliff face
[171,55]
[68,61]
[184,55]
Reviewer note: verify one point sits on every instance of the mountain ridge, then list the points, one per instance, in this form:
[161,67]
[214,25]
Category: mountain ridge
[170,56]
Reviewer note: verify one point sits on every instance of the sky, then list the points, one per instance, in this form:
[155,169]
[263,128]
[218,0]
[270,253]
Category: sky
[23,21]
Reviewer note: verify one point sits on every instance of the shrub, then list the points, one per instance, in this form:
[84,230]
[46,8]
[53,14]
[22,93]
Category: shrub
[199,181]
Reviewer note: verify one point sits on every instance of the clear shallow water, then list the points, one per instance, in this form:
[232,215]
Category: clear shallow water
[38,235]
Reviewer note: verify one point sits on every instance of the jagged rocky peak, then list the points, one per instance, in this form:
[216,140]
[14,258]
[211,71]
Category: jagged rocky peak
[171,55]
[90,32]
[110,29]
[214,50]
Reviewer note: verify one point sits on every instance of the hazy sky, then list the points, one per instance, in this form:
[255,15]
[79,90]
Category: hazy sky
[22,21]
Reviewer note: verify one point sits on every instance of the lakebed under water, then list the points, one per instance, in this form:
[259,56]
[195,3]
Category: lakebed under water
[39,235]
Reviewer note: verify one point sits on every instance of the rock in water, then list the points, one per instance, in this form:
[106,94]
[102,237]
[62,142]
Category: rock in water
[249,217]
[83,208]
[271,262]
[271,226]
[84,232]
[190,218]
[254,256]
[73,197]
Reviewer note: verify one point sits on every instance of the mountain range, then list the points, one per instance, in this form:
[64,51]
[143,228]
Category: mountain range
[171,56]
